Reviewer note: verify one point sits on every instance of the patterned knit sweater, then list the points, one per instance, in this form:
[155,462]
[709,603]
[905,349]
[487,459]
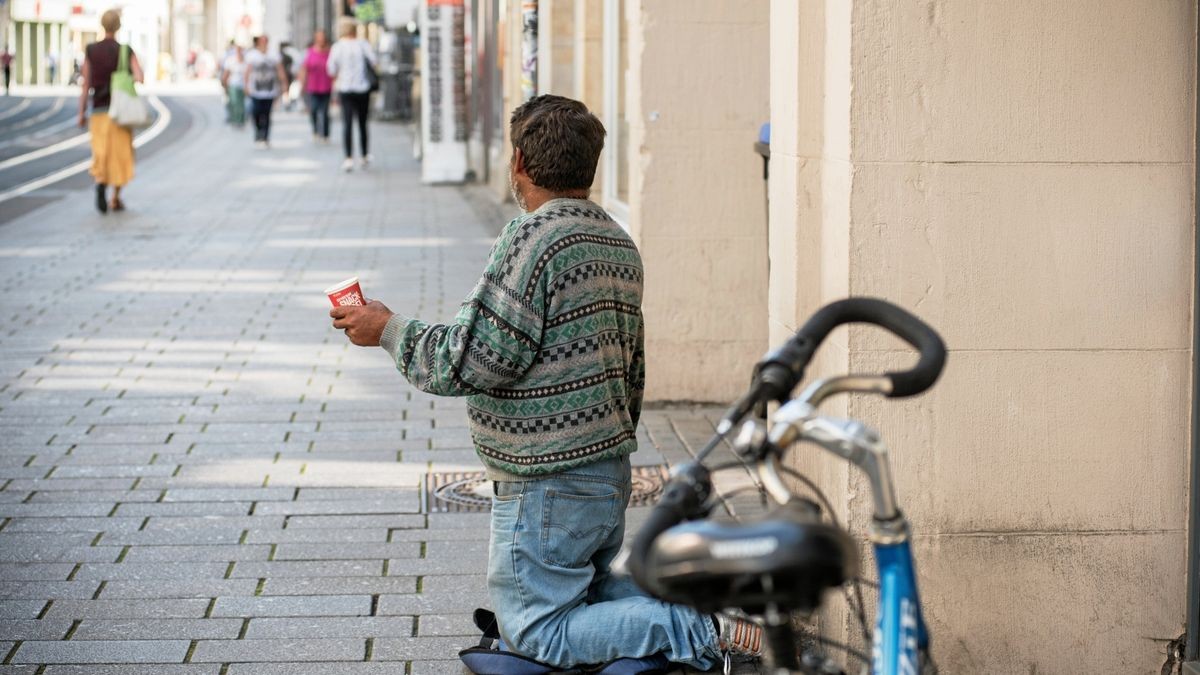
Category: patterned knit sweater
[548,348]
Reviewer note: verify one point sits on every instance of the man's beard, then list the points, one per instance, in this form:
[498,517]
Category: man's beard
[516,195]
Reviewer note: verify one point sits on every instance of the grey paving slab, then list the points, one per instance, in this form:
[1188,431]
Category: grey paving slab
[226,552]
[213,521]
[342,552]
[426,566]
[177,588]
[445,625]
[313,535]
[20,590]
[417,648]
[327,605]
[436,534]
[19,670]
[57,553]
[154,570]
[409,504]
[59,496]
[229,494]
[184,509]
[455,583]
[207,535]
[131,669]
[310,649]
[339,586]
[34,629]
[102,651]
[75,524]
[440,667]
[293,668]
[390,521]
[157,629]
[128,609]
[424,603]
[347,626]
[21,609]
[43,485]
[35,571]
[308,568]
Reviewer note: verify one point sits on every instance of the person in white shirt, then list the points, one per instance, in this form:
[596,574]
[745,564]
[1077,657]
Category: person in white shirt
[264,83]
[348,62]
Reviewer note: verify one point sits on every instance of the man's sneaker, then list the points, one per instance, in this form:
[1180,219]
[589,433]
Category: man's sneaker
[366,161]
[347,165]
[739,636]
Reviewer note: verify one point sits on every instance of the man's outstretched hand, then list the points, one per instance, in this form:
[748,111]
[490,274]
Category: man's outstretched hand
[363,324]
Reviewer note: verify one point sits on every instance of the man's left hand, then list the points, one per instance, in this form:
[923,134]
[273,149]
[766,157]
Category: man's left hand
[363,324]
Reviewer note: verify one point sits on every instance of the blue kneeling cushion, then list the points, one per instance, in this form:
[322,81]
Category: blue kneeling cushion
[490,658]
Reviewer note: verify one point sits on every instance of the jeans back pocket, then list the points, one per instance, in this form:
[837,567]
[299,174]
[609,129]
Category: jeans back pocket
[574,526]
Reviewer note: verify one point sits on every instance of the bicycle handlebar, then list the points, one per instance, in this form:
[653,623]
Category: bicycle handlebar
[797,352]
[775,377]
[778,373]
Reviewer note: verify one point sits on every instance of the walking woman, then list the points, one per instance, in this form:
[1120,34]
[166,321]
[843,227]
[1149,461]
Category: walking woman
[348,62]
[233,78]
[315,83]
[112,145]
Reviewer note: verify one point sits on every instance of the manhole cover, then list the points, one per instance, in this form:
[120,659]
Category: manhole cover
[456,492]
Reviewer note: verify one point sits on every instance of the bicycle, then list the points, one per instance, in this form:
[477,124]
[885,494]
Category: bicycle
[784,562]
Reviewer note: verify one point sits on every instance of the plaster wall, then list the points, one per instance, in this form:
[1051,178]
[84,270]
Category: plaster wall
[1020,175]
[556,47]
[697,91]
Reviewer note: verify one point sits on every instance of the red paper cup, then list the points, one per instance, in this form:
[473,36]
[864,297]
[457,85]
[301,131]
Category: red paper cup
[346,293]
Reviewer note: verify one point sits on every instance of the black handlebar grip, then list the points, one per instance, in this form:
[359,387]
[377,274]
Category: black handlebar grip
[895,319]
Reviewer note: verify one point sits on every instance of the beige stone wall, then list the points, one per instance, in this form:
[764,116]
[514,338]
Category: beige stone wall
[697,92]
[1019,174]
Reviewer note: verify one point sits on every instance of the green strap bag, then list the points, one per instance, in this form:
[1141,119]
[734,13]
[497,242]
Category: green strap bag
[125,108]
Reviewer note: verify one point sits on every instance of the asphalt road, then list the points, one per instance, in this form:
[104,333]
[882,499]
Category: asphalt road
[39,138]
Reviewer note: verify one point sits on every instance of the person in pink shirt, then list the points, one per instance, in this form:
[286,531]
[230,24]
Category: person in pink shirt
[316,85]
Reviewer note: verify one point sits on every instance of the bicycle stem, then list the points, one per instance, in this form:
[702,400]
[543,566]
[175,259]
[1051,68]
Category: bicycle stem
[848,439]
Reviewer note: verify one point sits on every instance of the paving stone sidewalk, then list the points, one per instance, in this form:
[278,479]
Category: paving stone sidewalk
[197,474]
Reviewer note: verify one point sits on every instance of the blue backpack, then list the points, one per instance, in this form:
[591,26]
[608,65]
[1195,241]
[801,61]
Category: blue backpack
[490,658]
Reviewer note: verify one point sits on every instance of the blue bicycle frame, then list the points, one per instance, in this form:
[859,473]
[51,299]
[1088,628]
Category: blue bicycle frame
[900,638]
[900,643]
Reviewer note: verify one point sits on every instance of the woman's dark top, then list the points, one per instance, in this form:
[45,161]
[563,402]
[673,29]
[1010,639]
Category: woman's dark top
[103,57]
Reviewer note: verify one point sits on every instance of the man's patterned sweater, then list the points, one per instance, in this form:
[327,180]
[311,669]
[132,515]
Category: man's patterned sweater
[548,348]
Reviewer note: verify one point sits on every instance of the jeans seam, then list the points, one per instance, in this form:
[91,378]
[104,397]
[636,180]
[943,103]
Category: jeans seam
[513,562]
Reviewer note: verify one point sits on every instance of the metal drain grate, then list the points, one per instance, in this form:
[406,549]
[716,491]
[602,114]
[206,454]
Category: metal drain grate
[471,491]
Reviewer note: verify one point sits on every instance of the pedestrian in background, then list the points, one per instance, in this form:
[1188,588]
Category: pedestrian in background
[112,144]
[287,56]
[316,85]
[264,83]
[348,62]
[233,78]
[6,59]
[221,74]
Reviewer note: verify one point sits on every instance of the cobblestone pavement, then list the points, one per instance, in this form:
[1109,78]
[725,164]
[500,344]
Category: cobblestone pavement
[197,474]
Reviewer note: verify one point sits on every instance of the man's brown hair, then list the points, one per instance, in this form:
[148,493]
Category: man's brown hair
[560,141]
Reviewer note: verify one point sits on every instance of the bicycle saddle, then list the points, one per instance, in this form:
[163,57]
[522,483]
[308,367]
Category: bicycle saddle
[789,557]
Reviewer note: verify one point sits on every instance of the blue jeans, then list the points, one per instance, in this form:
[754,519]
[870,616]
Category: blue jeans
[553,540]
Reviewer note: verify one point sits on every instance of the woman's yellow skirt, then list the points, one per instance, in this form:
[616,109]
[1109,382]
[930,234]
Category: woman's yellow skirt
[112,151]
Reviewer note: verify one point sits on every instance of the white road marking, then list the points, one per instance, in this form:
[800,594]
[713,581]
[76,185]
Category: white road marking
[15,109]
[164,118]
